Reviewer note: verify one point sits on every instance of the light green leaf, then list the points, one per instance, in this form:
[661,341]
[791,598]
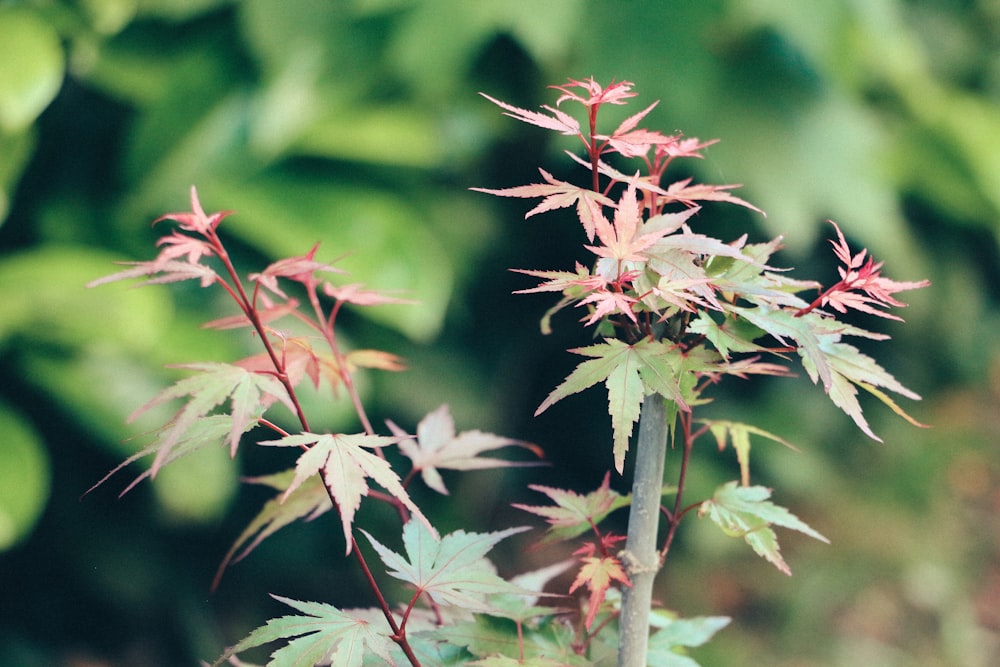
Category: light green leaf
[309,500]
[630,372]
[32,71]
[247,391]
[451,570]
[573,514]
[24,478]
[666,644]
[322,635]
[625,395]
[740,434]
[744,511]
[346,465]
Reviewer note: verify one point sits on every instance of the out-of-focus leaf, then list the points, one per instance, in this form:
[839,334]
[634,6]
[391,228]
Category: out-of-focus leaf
[24,478]
[32,69]
[308,500]
[381,240]
[197,488]
[459,30]
[15,150]
[45,300]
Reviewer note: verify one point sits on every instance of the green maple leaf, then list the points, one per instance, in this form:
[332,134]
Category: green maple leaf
[323,635]
[309,500]
[346,465]
[574,514]
[850,367]
[247,391]
[629,373]
[745,511]
[729,335]
[667,644]
[452,570]
[437,446]
[202,432]
[740,434]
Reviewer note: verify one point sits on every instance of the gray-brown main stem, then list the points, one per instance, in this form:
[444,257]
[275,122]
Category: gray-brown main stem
[641,558]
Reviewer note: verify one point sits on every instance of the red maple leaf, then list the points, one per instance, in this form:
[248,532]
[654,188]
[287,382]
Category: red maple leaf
[597,573]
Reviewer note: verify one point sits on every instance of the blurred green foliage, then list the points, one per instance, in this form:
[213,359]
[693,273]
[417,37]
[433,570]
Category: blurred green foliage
[356,123]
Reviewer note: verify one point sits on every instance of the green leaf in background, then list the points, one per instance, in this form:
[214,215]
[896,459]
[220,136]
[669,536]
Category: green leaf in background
[32,69]
[381,240]
[45,300]
[24,478]
[30,76]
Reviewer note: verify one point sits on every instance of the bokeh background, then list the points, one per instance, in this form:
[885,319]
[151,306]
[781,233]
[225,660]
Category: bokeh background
[357,123]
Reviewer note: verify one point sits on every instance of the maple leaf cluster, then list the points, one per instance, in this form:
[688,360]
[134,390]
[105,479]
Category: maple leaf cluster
[671,303]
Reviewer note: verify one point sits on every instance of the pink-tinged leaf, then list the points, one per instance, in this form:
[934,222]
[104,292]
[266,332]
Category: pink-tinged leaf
[862,286]
[577,284]
[300,361]
[375,359]
[214,384]
[559,194]
[682,191]
[180,245]
[346,465]
[201,433]
[597,574]
[322,635]
[739,434]
[608,302]
[603,168]
[626,240]
[301,269]
[161,272]
[638,142]
[438,447]
[266,315]
[356,294]
[632,122]
[196,220]
[306,502]
[451,570]
[573,514]
[684,147]
[745,511]
[558,120]
[593,93]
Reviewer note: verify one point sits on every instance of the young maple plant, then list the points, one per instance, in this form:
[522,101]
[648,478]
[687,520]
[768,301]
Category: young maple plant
[675,311]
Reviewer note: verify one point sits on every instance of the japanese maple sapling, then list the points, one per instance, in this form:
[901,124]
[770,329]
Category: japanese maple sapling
[675,312]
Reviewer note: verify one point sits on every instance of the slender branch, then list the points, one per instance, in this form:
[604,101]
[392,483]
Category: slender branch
[398,632]
[641,557]
[678,513]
